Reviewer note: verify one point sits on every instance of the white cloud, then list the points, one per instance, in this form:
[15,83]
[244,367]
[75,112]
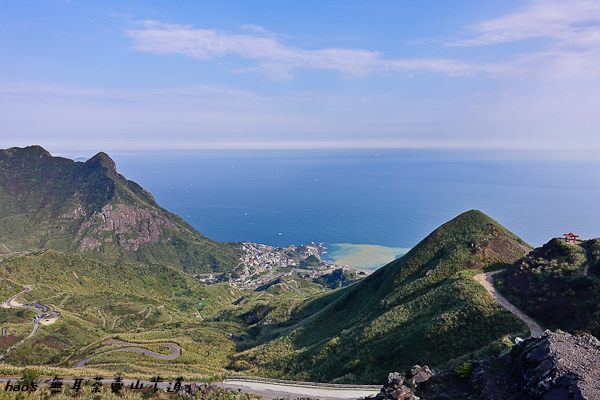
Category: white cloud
[568,22]
[274,58]
[564,41]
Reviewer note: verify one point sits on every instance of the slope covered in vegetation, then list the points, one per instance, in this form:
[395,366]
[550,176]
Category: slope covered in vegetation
[146,305]
[88,208]
[558,284]
[422,308]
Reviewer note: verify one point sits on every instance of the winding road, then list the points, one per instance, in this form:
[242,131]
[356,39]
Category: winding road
[40,310]
[172,346]
[12,304]
[485,280]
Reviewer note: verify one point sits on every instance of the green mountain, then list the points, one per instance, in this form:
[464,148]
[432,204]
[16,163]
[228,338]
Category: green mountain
[423,308]
[88,208]
[558,284]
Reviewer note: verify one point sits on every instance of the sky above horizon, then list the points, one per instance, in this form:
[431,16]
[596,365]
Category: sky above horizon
[139,75]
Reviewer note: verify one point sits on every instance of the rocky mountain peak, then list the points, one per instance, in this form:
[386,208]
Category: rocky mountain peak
[89,208]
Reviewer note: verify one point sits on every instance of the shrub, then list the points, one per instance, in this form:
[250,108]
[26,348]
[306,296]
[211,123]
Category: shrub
[465,371]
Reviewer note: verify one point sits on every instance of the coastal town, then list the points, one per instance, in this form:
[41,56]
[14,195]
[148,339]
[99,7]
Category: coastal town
[260,264]
[259,258]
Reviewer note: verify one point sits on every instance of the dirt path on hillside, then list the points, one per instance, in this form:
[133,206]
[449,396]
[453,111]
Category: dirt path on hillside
[101,316]
[485,281]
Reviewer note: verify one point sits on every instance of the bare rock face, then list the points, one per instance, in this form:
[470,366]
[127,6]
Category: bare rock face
[555,366]
[131,225]
[399,387]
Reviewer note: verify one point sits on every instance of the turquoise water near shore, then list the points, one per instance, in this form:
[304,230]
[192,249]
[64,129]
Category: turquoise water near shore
[368,256]
[386,198]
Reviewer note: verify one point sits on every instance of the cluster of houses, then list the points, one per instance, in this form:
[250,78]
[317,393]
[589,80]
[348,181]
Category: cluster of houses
[261,263]
[258,258]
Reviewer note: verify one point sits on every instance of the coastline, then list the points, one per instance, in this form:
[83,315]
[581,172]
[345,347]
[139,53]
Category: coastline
[367,257]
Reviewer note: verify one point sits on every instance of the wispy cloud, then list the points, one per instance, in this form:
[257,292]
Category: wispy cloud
[272,57]
[200,92]
[571,23]
[567,34]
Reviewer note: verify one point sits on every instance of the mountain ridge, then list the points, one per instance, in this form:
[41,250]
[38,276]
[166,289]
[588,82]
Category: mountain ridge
[424,307]
[414,309]
[91,209]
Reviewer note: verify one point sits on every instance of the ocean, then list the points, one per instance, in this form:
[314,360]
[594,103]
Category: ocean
[367,206]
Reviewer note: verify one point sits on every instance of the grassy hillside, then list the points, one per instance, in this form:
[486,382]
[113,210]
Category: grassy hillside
[422,308]
[97,303]
[558,284]
[88,208]
[145,305]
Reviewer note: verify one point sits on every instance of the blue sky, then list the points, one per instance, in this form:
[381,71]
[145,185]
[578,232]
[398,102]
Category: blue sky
[105,75]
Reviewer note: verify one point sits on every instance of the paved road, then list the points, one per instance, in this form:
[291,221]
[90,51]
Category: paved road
[12,304]
[174,347]
[267,390]
[534,327]
[278,390]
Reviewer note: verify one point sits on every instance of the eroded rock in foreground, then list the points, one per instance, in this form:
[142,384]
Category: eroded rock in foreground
[399,387]
[556,366]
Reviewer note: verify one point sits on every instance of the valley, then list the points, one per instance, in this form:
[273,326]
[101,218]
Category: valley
[156,304]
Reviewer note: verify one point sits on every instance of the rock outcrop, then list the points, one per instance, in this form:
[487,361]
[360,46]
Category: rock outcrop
[132,225]
[399,387]
[556,366]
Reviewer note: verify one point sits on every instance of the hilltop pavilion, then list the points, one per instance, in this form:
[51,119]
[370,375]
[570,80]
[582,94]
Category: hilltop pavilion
[570,237]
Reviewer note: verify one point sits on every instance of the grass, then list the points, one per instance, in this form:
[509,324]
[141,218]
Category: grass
[154,304]
[422,308]
[557,285]
[424,330]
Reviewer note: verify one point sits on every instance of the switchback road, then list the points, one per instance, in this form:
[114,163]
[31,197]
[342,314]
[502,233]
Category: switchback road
[11,303]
